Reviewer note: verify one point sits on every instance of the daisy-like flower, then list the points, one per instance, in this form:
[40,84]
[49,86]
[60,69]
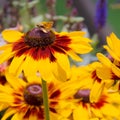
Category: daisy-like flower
[22,99]
[110,64]
[43,50]
[89,76]
[104,108]
[82,104]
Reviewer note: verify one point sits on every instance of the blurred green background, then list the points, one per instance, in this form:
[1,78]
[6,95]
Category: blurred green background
[61,9]
[113,18]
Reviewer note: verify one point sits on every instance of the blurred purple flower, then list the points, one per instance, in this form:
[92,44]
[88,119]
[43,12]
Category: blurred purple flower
[101,14]
[74,12]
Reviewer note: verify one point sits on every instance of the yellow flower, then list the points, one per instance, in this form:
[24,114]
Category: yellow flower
[22,99]
[113,45]
[43,50]
[103,108]
[88,98]
[111,74]
[87,75]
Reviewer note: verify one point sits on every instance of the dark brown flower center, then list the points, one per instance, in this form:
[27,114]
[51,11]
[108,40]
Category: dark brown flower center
[39,37]
[33,95]
[83,94]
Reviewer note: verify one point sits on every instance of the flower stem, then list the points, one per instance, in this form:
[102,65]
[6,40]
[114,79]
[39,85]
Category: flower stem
[45,100]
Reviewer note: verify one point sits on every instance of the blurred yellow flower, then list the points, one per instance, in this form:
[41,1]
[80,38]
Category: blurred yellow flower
[113,45]
[89,98]
[23,100]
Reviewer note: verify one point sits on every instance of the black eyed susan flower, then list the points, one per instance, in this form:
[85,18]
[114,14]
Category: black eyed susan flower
[87,75]
[22,99]
[110,64]
[82,103]
[43,50]
[101,109]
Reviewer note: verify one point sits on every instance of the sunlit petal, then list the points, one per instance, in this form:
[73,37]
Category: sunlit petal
[11,35]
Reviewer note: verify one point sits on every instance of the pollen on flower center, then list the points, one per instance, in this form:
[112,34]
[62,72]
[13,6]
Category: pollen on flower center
[33,95]
[83,94]
[39,37]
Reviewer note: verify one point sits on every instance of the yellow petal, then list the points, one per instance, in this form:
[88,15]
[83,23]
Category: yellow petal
[116,70]
[79,113]
[54,116]
[72,34]
[8,113]
[112,53]
[45,68]
[15,64]
[76,33]
[110,110]
[96,91]
[74,56]
[33,117]
[110,43]
[107,74]
[6,89]
[94,118]
[63,63]
[4,47]
[5,98]
[13,80]
[11,35]
[59,73]
[114,43]
[17,116]
[80,40]
[64,108]
[81,49]
[104,59]
[97,112]
[29,66]
[114,98]
[7,54]
[3,106]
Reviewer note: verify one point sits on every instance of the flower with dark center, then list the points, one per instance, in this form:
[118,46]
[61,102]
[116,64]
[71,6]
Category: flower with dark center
[84,106]
[83,94]
[88,98]
[23,100]
[37,37]
[33,95]
[111,67]
[43,50]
